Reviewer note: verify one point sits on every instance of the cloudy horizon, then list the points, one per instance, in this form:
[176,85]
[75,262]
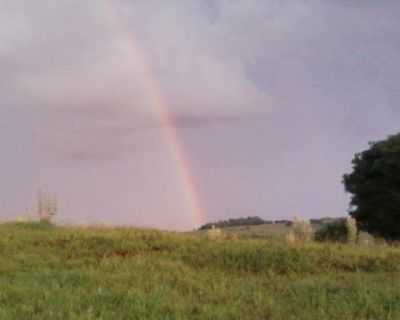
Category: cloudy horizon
[270,101]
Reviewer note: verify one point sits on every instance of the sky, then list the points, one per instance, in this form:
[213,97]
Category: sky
[170,114]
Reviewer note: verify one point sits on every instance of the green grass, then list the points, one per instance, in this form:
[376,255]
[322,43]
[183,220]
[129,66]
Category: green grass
[119,273]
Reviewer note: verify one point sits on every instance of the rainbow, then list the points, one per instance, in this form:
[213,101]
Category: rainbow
[164,116]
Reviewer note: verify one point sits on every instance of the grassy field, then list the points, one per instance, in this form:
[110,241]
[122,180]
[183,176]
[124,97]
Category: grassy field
[114,273]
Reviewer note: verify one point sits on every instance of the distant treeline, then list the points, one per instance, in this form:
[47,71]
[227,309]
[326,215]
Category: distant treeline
[246,221]
[323,221]
[253,221]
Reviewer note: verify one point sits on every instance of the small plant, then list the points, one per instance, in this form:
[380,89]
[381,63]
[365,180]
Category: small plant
[342,230]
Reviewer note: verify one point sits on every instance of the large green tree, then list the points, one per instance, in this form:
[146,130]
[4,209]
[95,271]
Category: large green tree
[375,188]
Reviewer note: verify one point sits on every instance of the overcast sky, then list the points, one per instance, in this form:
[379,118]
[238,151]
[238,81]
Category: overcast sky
[271,99]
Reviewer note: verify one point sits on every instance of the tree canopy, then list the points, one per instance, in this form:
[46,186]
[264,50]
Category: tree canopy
[375,187]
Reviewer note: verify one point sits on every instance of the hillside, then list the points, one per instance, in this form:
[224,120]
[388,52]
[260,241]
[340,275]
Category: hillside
[120,273]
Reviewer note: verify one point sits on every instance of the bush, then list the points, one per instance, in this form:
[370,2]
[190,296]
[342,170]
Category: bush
[300,231]
[342,230]
[352,231]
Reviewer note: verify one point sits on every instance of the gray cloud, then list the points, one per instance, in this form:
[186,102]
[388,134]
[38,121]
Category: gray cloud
[257,89]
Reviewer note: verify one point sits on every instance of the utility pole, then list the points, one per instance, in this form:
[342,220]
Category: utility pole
[47,206]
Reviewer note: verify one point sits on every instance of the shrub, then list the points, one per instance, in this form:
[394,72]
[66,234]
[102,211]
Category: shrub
[300,231]
[352,231]
[342,230]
